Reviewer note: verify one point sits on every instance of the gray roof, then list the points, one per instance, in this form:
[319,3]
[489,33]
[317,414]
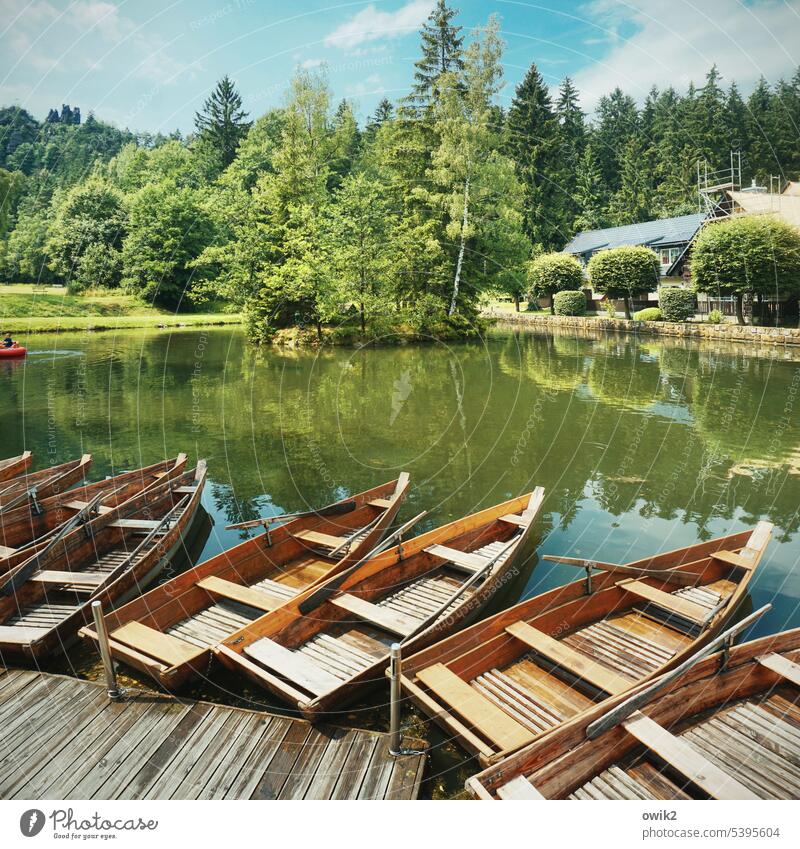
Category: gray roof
[664,231]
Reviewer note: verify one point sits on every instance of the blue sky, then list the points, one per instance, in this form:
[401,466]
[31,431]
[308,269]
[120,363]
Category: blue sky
[149,65]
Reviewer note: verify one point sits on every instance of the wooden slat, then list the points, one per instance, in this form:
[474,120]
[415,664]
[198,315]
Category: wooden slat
[514,519]
[689,762]
[317,538]
[783,666]
[168,649]
[463,559]
[292,665]
[20,635]
[383,503]
[518,788]
[244,595]
[569,659]
[674,604]
[483,715]
[383,617]
[51,576]
[733,559]
[136,524]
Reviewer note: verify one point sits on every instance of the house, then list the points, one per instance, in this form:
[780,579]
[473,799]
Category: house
[756,200]
[668,237]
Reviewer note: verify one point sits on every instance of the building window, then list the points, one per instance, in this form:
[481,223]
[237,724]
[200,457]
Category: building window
[668,257]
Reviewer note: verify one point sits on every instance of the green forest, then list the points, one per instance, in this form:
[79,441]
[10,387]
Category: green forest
[303,218]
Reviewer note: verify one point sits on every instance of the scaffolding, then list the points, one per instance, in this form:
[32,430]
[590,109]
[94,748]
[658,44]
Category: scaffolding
[713,186]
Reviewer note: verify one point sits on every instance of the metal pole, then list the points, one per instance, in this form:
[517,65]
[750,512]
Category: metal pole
[395,667]
[105,650]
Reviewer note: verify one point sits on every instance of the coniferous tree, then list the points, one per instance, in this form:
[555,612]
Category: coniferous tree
[590,193]
[617,123]
[761,161]
[222,123]
[533,143]
[441,54]
[572,142]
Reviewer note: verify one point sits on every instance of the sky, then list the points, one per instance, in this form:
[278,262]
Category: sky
[149,65]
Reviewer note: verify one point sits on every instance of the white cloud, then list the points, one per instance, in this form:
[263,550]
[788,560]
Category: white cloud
[370,85]
[677,42]
[372,25]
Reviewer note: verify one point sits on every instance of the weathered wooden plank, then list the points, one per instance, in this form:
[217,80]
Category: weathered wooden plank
[259,599]
[461,559]
[164,647]
[569,659]
[381,617]
[783,666]
[293,665]
[518,788]
[487,718]
[672,603]
[279,768]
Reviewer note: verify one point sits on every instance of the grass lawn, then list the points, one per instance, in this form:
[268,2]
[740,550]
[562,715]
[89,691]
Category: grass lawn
[28,309]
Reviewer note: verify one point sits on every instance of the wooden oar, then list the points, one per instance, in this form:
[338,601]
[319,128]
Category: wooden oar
[28,567]
[622,711]
[674,576]
[333,510]
[332,586]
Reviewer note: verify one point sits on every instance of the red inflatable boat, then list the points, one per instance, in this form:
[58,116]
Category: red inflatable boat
[14,351]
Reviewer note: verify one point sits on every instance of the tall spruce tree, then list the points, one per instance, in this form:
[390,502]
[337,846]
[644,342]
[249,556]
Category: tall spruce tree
[223,123]
[591,195]
[442,53]
[572,142]
[533,143]
[617,123]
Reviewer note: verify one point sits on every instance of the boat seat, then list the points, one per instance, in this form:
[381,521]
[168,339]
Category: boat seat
[185,490]
[260,599]
[136,524]
[482,715]
[733,559]
[163,647]
[88,579]
[685,759]
[81,505]
[518,788]
[460,559]
[567,658]
[782,665]
[317,538]
[693,612]
[21,635]
[382,617]
[383,503]
[7,551]
[292,665]
[514,519]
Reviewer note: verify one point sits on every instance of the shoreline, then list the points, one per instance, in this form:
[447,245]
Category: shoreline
[22,326]
[778,336]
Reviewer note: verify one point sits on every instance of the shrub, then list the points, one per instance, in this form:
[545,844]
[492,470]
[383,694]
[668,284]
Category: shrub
[610,307]
[619,272]
[569,302]
[649,314]
[556,272]
[676,304]
[755,254]
[715,317]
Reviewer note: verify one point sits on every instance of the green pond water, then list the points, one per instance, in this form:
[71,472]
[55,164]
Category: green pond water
[642,446]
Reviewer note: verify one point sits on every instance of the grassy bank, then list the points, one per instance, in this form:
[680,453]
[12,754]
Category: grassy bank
[27,309]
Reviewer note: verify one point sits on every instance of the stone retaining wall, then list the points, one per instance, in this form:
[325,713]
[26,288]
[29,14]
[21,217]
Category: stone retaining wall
[692,330]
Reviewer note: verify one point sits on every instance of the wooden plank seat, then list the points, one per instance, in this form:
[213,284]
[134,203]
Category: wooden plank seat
[467,561]
[336,656]
[21,634]
[783,666]
[165,648]
[211,626]
[276,589]
[185,490]
[733,559]
[514,519]
[78,579]
[383,503]
[518,788]
[382,617]
[318,538]
[258,598]
[7,551]
[292,665]
[689,610]
[481,714]
[572,661]
[683,757]
[136,524]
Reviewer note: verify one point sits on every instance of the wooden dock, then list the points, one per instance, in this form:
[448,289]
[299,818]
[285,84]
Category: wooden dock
[62,738]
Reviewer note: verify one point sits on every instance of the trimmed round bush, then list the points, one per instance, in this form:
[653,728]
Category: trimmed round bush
[715,317]
[649,314]
[620,272]
[676,304]
[569,302]
[556,272]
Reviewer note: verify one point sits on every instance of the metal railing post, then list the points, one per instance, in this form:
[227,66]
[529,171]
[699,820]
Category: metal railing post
[395,668]
[105,650]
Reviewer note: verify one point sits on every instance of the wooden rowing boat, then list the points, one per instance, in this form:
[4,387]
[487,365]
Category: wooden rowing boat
[111,558]
[26,528]
[169,632]
[43,483]
[14,466]
[728,728]
[501,684]
[325,647]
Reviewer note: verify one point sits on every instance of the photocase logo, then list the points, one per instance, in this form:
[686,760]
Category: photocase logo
[31,822]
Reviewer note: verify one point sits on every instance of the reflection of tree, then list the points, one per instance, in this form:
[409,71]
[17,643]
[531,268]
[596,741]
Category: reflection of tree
[620,374]
[553,362]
